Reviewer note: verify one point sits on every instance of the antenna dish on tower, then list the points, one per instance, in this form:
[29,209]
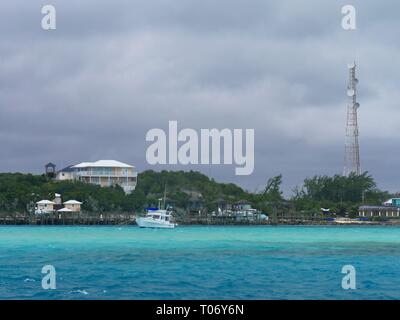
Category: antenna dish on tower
[352,65]
[351,92]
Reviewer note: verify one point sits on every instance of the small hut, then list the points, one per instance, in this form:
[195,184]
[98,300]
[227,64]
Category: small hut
[44,206]
[73,205]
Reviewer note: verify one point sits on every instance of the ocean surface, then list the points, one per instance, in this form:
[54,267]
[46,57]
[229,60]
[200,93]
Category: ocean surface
[197,262]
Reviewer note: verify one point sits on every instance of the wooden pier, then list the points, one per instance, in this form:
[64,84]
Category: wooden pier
[188,219]
[71,219]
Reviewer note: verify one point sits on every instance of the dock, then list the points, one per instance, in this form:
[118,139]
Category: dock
[72,219]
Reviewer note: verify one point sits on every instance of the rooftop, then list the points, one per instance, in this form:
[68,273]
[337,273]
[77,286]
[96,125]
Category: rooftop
[50,164]
[103,164]
[72,202]
[45,202]
[67,169]
[378,208]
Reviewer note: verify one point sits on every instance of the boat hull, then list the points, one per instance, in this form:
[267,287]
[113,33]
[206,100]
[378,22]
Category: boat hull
[150,223]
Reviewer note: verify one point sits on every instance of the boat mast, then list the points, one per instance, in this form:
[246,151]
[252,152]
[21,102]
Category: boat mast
[165,193]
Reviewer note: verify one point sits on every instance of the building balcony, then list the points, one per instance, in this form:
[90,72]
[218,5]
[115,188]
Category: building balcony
[93,175]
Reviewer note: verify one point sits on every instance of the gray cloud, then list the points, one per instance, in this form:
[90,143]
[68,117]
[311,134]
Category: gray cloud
[115,69]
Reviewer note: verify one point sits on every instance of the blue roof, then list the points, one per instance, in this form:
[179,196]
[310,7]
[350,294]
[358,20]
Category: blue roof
[50,164]
[67,169]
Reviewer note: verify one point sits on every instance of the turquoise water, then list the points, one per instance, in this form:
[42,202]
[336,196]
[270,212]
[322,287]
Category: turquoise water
[199,262]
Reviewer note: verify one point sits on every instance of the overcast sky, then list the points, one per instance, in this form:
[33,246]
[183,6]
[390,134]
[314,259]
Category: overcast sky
[112,70]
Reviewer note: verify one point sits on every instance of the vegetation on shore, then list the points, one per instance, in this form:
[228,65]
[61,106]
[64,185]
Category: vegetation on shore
[18,192]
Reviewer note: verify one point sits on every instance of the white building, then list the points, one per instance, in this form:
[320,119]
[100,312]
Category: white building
[65,174]
[73,205]
[105,173]
[44,206]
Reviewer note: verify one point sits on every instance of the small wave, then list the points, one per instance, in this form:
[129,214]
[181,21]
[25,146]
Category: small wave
[29,280]
[80,291]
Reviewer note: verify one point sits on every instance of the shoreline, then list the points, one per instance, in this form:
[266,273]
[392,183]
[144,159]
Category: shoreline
[120,219]
[133,223]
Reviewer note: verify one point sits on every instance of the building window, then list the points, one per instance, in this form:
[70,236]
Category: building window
[96,180]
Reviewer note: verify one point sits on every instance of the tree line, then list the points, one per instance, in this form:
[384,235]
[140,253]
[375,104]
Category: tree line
[19,192]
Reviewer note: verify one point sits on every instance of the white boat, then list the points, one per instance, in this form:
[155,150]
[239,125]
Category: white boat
[156,218]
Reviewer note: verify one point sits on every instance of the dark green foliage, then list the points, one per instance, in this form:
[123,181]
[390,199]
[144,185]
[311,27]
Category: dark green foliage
[181,184]
[340,194]
[271,198]
[18,193]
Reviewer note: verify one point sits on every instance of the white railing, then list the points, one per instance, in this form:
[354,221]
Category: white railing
[90,174]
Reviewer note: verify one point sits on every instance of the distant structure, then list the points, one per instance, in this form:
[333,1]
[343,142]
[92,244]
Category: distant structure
[72,206]
[57,201]
[105,173]
[389,209]
[50,169]
[352,147]
[50,207]
[44,206]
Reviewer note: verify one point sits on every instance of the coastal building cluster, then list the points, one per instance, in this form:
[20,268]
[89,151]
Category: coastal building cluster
[105,173]
[57,206]
[240,211]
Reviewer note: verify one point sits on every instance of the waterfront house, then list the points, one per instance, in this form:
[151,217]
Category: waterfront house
[378,211]
[223,205]
[389,209]
[73,206]
[44,206]
[242,205]
[105,173]
[47,206]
